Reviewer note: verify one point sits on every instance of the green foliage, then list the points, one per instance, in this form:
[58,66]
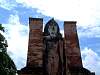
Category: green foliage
[7,66]
[1,28]
[3,43]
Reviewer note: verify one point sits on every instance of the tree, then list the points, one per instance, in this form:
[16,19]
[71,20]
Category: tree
[7,66]
[1,28]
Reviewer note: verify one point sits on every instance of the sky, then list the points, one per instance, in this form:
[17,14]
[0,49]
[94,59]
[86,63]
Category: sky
[14,16]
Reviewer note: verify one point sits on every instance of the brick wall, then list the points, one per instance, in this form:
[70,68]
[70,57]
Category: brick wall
[72,49]
[35,45]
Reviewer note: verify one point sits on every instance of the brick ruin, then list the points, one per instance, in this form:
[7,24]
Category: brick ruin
[51,54]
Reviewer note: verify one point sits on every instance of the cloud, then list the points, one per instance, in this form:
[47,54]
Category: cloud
[91,60]
[85,12]
[17,37]
[89,31]
[7,4]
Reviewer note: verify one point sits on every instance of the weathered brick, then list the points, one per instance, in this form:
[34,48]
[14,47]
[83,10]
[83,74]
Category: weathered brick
[72,49]
[35,47]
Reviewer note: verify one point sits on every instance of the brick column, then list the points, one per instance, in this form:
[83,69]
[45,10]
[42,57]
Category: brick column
[72,49]
[35,45]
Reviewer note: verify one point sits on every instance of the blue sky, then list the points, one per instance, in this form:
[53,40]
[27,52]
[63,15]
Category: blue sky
[14,16]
